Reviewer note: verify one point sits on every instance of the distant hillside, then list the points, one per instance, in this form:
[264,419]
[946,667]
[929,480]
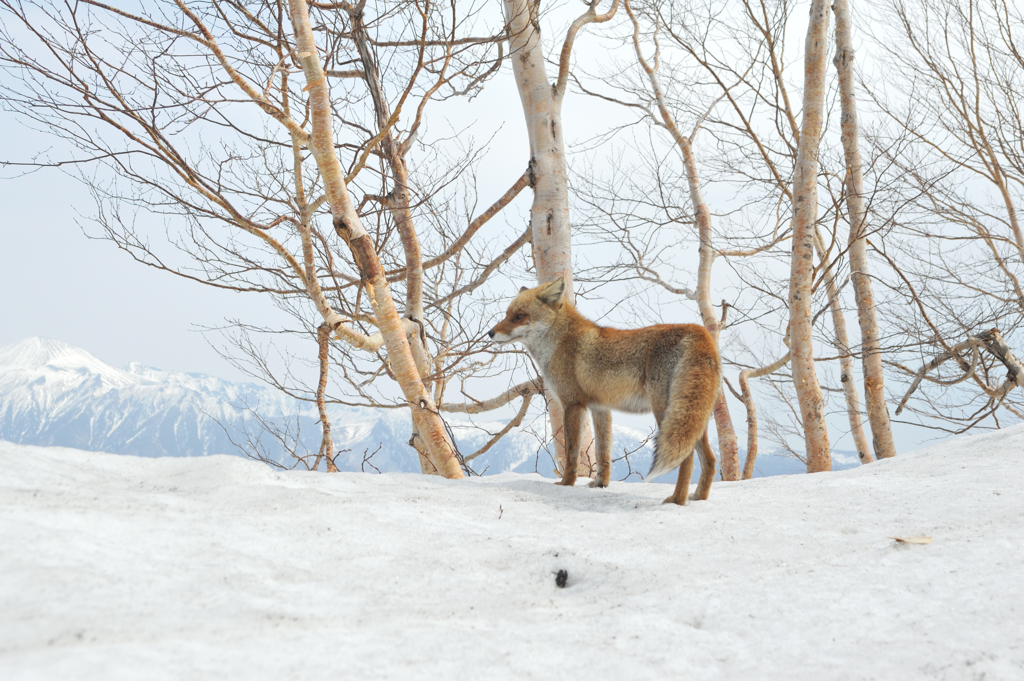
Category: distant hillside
[55,394]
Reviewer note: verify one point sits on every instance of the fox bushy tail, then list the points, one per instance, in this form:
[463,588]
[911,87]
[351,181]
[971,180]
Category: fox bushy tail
[691,400]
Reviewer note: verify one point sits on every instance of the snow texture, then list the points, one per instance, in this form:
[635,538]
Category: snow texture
[117,567]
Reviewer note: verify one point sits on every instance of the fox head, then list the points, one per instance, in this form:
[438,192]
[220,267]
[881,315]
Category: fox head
[531,313]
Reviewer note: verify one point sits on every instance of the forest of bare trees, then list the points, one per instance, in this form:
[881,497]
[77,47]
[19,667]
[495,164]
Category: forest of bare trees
[830,188]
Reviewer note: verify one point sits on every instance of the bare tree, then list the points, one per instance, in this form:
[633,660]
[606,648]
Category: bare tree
[950,134]
[860,274]
[751,406]
[805,214]
[426,420]
[196,113]
[729,68]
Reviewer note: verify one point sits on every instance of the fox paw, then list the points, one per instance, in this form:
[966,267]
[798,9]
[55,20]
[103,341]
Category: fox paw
[598,483]
[566,483]
[672,500]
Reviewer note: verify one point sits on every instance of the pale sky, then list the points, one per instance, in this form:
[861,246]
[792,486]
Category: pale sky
[55,282]
[58,283]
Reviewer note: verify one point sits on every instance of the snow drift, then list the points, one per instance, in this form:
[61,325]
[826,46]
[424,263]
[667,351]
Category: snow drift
[116,567]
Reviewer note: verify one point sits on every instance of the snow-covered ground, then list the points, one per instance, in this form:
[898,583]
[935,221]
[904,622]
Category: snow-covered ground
[115,567]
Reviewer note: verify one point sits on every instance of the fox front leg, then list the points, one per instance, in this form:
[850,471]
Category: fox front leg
[573,426]
[603,435]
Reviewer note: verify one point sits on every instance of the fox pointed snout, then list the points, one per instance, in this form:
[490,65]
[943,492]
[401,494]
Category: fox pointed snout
[499,334]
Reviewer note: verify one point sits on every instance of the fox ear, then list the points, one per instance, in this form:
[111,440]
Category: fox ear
[553,293]
[523,288]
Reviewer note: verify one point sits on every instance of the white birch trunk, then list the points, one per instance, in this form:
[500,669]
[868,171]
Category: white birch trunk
[805,215]
[847,378]
[874,383]
[397,203]
[748,401]
[549,214]
[426,420]
[323,338]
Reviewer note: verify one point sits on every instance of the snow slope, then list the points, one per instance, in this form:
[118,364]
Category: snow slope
[116,567]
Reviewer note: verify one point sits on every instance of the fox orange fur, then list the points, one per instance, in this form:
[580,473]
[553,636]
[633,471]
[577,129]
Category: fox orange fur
[670,369]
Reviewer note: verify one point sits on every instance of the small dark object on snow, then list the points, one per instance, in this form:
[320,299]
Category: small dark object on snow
[561,578]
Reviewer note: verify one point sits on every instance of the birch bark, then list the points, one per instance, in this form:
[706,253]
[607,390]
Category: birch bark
[874,384]
[549,214]
[748,401]
[805,214]
[847,378]
[426,420]
[323,338]
[397,203]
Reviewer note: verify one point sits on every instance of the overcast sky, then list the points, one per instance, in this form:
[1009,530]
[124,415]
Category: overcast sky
[60,284]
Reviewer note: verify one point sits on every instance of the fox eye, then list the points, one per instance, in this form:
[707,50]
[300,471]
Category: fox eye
[519,317]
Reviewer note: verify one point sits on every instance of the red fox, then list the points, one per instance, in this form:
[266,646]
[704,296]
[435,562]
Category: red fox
[670,369]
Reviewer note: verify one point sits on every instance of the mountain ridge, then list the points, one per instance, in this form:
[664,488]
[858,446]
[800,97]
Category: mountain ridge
[53,393]
[56,394]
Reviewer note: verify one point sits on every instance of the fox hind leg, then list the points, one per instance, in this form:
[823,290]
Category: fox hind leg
[683,427]
[682,490]
[707,467]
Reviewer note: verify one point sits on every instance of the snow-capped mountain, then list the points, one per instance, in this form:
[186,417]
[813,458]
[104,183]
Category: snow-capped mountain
[55,394]
[52,393]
